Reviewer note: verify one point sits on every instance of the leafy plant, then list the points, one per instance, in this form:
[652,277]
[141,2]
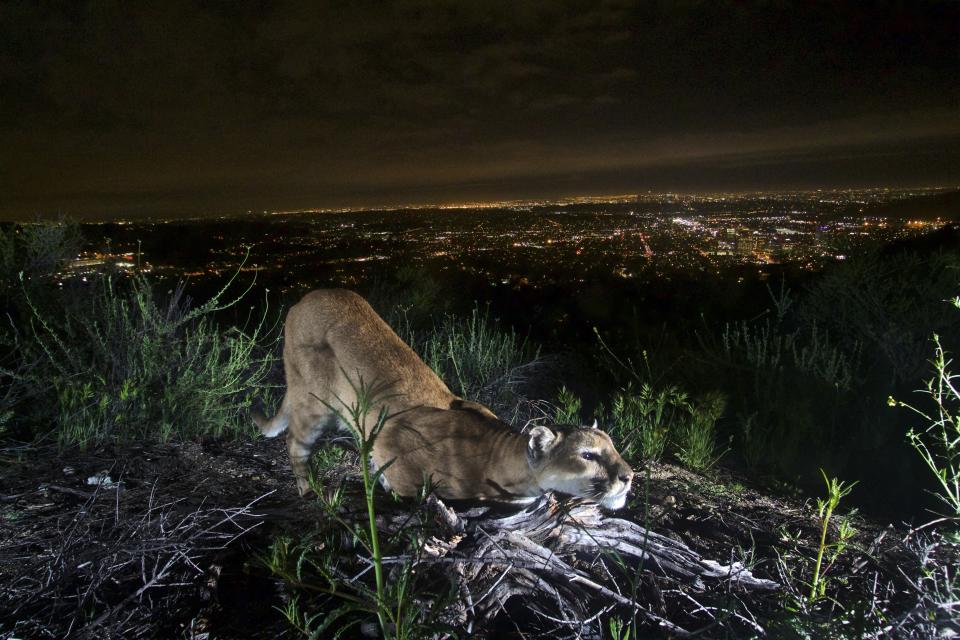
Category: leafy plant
[477,359]
[767,347]
[787,382]
[567,408]
[39,249]
[808,610]
[825,508]
[645,421]
[620,630]
[939,442]
[354,415]
[317,565]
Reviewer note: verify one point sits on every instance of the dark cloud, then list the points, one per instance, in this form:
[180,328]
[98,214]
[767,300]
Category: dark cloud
[190,106]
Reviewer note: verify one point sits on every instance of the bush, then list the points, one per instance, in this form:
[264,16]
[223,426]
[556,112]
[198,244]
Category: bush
[48,247]
[478,360]
[567,408]
[888,302]
[36,250]
[813,373]
[642,422]
[117,364]
[788,381]
[697,439]
[767,348]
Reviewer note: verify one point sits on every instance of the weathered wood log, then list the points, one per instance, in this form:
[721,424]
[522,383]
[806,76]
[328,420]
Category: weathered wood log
[568,562]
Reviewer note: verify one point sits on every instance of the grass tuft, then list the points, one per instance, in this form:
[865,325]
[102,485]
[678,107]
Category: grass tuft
[697,439]
[643,420]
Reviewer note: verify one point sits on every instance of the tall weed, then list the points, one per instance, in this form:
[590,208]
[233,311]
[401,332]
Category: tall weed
[938,441]
[787,383]
[326,600]
[766,347]
[836,490]
[567,408]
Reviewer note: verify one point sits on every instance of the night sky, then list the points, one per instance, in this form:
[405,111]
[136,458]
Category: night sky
[179,107]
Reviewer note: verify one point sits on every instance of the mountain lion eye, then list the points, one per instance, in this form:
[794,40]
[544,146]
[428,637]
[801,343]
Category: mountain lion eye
[588,455]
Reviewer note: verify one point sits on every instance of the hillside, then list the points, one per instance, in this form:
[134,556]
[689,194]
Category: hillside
[171,544]
[137,502]
[943,206]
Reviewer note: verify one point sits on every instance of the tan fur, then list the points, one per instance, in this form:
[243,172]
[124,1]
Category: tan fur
[467,455]
[332,339]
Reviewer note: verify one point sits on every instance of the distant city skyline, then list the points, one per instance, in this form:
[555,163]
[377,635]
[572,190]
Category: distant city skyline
[649,196]
[529,245]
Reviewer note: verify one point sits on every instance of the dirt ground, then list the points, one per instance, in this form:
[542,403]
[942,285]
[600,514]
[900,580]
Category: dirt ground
[63,516]
[163,540]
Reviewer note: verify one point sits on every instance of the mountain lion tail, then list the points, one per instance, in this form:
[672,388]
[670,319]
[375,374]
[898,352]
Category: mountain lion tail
[271,427]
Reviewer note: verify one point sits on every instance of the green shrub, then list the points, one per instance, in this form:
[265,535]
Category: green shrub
[317,568]
[696,439]
[768,348]
[788,383]
[29,255]
[117,364]
[814,581]
[36,250]
[836,490]
[566,410]
[47,247]
[642,421]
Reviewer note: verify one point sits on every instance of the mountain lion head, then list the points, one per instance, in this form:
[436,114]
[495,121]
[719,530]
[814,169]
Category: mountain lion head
[580,461]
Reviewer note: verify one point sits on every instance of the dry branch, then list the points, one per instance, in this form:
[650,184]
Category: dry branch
[107,570]
[570,563]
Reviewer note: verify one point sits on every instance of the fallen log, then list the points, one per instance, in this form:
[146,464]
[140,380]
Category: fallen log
[568,563]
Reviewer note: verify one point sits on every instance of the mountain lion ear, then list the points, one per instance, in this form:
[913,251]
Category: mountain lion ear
[595,425]
[541,439]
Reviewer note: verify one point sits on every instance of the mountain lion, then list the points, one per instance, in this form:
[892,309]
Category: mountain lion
[333,340]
